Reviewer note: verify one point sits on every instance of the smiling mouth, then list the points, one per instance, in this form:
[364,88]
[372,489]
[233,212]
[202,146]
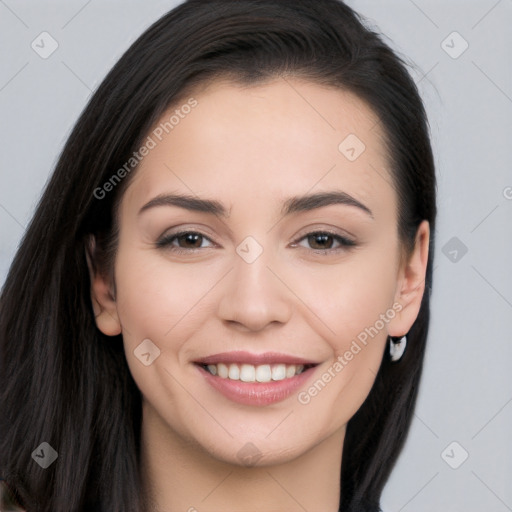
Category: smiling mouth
[262,373]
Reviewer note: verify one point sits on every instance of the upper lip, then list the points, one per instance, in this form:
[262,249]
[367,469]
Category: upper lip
[243,357]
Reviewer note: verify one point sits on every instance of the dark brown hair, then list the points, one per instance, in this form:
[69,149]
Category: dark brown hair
[65,383]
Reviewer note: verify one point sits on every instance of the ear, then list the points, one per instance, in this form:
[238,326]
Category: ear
[411,283]
[102,295]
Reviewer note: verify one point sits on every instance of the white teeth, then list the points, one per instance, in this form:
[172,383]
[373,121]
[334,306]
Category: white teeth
[234,372]
[279,372]
[290,371]
[222,370]
[247,373]
[263,373]
[251,373]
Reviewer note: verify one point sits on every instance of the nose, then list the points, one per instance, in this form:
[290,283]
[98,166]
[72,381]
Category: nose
[253,296]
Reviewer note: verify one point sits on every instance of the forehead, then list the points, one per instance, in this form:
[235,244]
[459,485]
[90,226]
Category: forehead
[270,141]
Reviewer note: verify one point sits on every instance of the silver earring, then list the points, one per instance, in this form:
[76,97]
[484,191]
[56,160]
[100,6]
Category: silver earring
[397,347]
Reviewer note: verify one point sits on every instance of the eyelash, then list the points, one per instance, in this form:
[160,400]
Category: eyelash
[345,243]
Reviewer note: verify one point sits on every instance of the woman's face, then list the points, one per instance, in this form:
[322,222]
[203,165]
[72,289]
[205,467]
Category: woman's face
[264,279]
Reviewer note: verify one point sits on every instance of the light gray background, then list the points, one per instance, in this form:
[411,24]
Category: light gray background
[466,390]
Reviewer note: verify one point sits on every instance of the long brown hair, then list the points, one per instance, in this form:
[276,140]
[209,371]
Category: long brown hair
[65,383]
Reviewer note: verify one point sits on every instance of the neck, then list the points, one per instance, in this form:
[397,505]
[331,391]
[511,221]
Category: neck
[180,476]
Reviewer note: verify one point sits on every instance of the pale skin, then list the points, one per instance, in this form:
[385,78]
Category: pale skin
[251,148]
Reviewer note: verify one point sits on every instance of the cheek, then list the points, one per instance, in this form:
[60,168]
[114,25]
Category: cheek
[352,305]
[346,298]
[158,297]
[159,306]
[165,302]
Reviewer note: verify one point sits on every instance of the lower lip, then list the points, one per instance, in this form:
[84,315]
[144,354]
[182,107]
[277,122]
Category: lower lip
[256,393]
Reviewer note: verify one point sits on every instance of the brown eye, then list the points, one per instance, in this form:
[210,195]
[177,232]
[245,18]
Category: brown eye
[323,242]
[190,240]
[320,241]
[183,241]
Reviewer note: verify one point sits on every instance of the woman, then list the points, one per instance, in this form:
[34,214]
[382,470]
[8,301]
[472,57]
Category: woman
[222,300]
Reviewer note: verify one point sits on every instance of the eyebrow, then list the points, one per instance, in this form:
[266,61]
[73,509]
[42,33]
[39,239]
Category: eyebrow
[187,202]
[291,205]
[313,201]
